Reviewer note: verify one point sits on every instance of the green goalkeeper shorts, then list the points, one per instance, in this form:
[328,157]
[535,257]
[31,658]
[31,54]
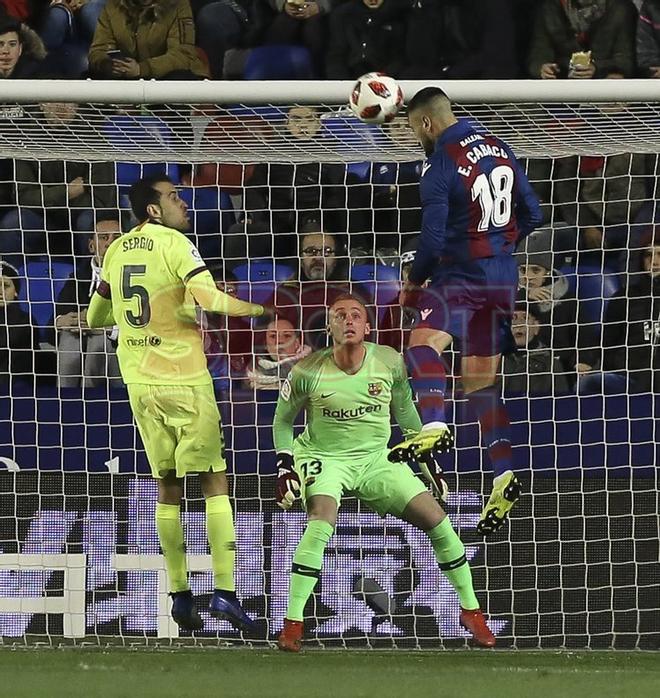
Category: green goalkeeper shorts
[385,487]
[180,428]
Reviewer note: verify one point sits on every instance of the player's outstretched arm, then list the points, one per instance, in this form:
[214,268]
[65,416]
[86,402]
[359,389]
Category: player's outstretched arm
[204,291]
[289,404]
[99,313]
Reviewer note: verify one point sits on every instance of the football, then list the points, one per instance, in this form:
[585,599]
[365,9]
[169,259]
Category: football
[376,98]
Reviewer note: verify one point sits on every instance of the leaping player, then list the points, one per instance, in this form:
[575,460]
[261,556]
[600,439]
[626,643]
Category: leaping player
[477,204]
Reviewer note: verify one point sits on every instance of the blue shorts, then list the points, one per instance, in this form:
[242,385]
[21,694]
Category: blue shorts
[474,303]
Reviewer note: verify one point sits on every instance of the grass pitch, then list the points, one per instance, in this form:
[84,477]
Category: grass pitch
[197,673]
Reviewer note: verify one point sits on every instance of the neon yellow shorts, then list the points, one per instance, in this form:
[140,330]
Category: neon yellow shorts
[385,487]
[180,428]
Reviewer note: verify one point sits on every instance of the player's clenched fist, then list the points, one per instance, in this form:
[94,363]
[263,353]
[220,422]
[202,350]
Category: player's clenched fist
[287,488]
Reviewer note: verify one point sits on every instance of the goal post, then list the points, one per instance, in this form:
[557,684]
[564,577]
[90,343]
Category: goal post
[256,162]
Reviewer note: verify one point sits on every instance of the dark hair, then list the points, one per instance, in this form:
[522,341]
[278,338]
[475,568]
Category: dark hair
[425,97]
[10,272]
[11,25]
[142,194]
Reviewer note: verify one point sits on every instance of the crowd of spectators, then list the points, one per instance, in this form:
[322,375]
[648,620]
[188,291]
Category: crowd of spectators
[336,39]
[319,227]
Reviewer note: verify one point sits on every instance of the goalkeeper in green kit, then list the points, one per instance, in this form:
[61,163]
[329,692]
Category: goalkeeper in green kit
[347,391]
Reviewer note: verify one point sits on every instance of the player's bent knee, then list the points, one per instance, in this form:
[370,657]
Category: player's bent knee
[423,512]
[321,507]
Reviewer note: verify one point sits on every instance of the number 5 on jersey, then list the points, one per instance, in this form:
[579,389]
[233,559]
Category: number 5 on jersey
[130,291]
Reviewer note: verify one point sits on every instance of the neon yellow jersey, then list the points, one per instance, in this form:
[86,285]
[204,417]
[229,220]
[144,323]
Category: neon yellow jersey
[159,340]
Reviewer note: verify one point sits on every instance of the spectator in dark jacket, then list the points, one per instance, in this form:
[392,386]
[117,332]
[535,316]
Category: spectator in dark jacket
[648,39]
[605,28]
[533,369]
[21,51]
[631,337]
[367,35]
[18,337]
[555,307]
[300,22]
[460,39]
[223,25]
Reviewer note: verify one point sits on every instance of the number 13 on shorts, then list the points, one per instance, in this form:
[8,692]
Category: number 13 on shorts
[309,469]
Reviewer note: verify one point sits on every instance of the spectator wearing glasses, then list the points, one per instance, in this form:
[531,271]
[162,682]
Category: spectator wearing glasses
[323,275]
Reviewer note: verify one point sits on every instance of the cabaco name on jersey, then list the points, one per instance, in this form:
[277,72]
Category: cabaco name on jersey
[138,243]
[344,415]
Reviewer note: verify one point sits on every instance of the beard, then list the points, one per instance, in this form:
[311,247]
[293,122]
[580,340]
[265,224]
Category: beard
[428,144]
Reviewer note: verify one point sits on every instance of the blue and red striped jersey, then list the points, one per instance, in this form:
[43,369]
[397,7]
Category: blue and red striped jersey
[476,202]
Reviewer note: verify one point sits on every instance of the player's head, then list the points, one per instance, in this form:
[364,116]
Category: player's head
[348,320]
[107,228]
[155,199]
[429,114]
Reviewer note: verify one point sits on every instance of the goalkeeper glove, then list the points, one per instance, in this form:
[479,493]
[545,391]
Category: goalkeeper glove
[287,488]
[429,464]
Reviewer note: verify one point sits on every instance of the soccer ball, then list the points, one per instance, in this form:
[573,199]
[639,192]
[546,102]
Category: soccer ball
[376,98]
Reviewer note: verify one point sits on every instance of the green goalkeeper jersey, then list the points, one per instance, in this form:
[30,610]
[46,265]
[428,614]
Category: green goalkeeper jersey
[348,415]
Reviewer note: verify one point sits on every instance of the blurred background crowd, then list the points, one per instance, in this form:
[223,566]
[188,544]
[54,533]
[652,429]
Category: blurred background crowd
[296,234]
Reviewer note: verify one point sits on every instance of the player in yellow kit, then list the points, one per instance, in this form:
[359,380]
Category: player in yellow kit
[152,277]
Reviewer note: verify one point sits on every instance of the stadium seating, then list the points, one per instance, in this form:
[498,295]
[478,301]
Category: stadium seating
[593,288]
[257,279]
[43,282]
[279,62]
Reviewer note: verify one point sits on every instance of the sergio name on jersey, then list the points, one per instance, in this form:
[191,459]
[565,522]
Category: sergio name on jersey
[348,415]
[159,341]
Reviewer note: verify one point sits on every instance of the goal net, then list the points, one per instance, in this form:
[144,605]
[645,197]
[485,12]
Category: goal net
[290,199]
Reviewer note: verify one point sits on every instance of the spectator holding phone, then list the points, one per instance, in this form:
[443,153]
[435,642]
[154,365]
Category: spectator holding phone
[583,39]
[146,39]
